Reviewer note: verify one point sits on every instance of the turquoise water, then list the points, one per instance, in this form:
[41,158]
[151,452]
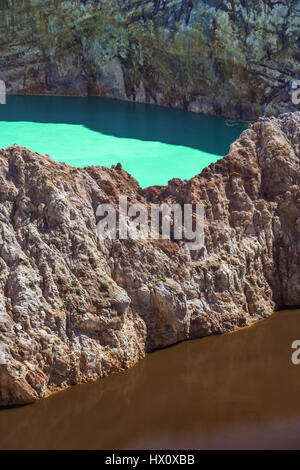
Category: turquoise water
[153,143]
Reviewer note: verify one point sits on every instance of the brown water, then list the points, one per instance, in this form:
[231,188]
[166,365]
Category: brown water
[233,391]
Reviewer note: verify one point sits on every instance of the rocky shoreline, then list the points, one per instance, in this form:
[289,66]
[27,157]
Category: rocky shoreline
[74,308]
[229,58]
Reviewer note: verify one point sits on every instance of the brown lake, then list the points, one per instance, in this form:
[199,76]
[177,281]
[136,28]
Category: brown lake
[234,391]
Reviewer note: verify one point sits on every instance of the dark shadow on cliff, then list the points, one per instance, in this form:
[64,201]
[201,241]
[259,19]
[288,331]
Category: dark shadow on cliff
[128,120]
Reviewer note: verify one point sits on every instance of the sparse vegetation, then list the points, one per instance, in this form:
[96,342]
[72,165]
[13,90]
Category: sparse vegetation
[25,262]
[104,286]
[75,284]
[161,279]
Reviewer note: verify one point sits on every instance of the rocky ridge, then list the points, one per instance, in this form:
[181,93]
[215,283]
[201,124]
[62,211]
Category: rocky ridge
[74,308]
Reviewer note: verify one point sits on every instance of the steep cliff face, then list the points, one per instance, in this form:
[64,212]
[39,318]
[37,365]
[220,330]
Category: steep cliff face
[230,57]
[74,308]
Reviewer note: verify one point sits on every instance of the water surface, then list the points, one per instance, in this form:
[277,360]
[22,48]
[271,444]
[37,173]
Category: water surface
[153,143]
[237,390]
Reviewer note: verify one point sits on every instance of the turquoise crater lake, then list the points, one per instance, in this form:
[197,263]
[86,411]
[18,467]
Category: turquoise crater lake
[154,144]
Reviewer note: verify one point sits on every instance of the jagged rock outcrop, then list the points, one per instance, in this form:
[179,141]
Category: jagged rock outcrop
[229,57]
[74,308]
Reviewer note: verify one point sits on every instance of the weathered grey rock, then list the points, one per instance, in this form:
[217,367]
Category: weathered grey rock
[74,308]
[217,57]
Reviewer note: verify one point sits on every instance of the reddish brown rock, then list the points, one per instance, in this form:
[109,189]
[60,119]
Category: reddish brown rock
[74,308]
